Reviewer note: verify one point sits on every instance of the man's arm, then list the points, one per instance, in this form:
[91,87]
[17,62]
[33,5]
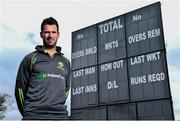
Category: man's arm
[68,78]
[22,80]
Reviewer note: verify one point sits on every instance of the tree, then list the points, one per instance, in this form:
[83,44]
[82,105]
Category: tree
[4,104]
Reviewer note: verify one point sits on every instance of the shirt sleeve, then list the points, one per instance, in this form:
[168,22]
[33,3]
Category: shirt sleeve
[22,80]
[68,78]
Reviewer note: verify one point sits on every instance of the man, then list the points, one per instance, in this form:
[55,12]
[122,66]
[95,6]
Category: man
[42,82]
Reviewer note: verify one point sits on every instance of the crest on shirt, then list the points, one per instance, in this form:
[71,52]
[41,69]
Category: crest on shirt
[60,65]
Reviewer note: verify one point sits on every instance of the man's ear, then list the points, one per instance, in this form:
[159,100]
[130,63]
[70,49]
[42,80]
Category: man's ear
[58,34]
[40,34]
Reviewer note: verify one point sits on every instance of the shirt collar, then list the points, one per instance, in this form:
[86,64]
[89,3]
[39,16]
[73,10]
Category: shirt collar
[41,49]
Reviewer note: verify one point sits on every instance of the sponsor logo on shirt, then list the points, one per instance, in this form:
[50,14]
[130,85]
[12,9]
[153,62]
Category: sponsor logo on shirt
[43,75]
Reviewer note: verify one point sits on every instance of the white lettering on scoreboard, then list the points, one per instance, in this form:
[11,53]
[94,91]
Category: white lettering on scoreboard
[151,57]
[137,17]
[111,45]
[144,35]
[113,65]
[145,58]
[84,89]
[87,88]
[79,36]
[82,72]
[85,52]
[157,77]
[112,85]
[110,26]
[110,66]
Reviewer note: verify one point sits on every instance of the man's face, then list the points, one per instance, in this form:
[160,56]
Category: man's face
[50,36]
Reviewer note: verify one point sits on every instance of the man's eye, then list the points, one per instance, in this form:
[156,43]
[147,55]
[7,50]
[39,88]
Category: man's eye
[46,32]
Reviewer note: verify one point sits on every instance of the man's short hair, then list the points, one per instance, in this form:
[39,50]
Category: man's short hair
[49,21]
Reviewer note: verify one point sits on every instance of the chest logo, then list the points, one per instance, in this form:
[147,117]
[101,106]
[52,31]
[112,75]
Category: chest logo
[42,75]
[60,65]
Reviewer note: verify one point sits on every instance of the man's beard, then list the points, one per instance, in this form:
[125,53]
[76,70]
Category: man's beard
[46,45]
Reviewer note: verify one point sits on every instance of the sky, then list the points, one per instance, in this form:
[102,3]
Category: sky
[20,26]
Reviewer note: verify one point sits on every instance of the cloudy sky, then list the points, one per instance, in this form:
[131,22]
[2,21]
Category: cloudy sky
[20,26]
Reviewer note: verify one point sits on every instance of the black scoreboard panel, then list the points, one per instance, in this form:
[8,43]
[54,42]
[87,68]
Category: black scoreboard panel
[113,82]
[148,76]
[160,109]
[155,110]
[84,87]
[96,113]
[122,112]
[144,32]
[84,48]
[120,63]
[111,40]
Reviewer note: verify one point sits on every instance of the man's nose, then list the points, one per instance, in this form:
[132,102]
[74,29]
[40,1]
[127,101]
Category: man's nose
[50,34]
